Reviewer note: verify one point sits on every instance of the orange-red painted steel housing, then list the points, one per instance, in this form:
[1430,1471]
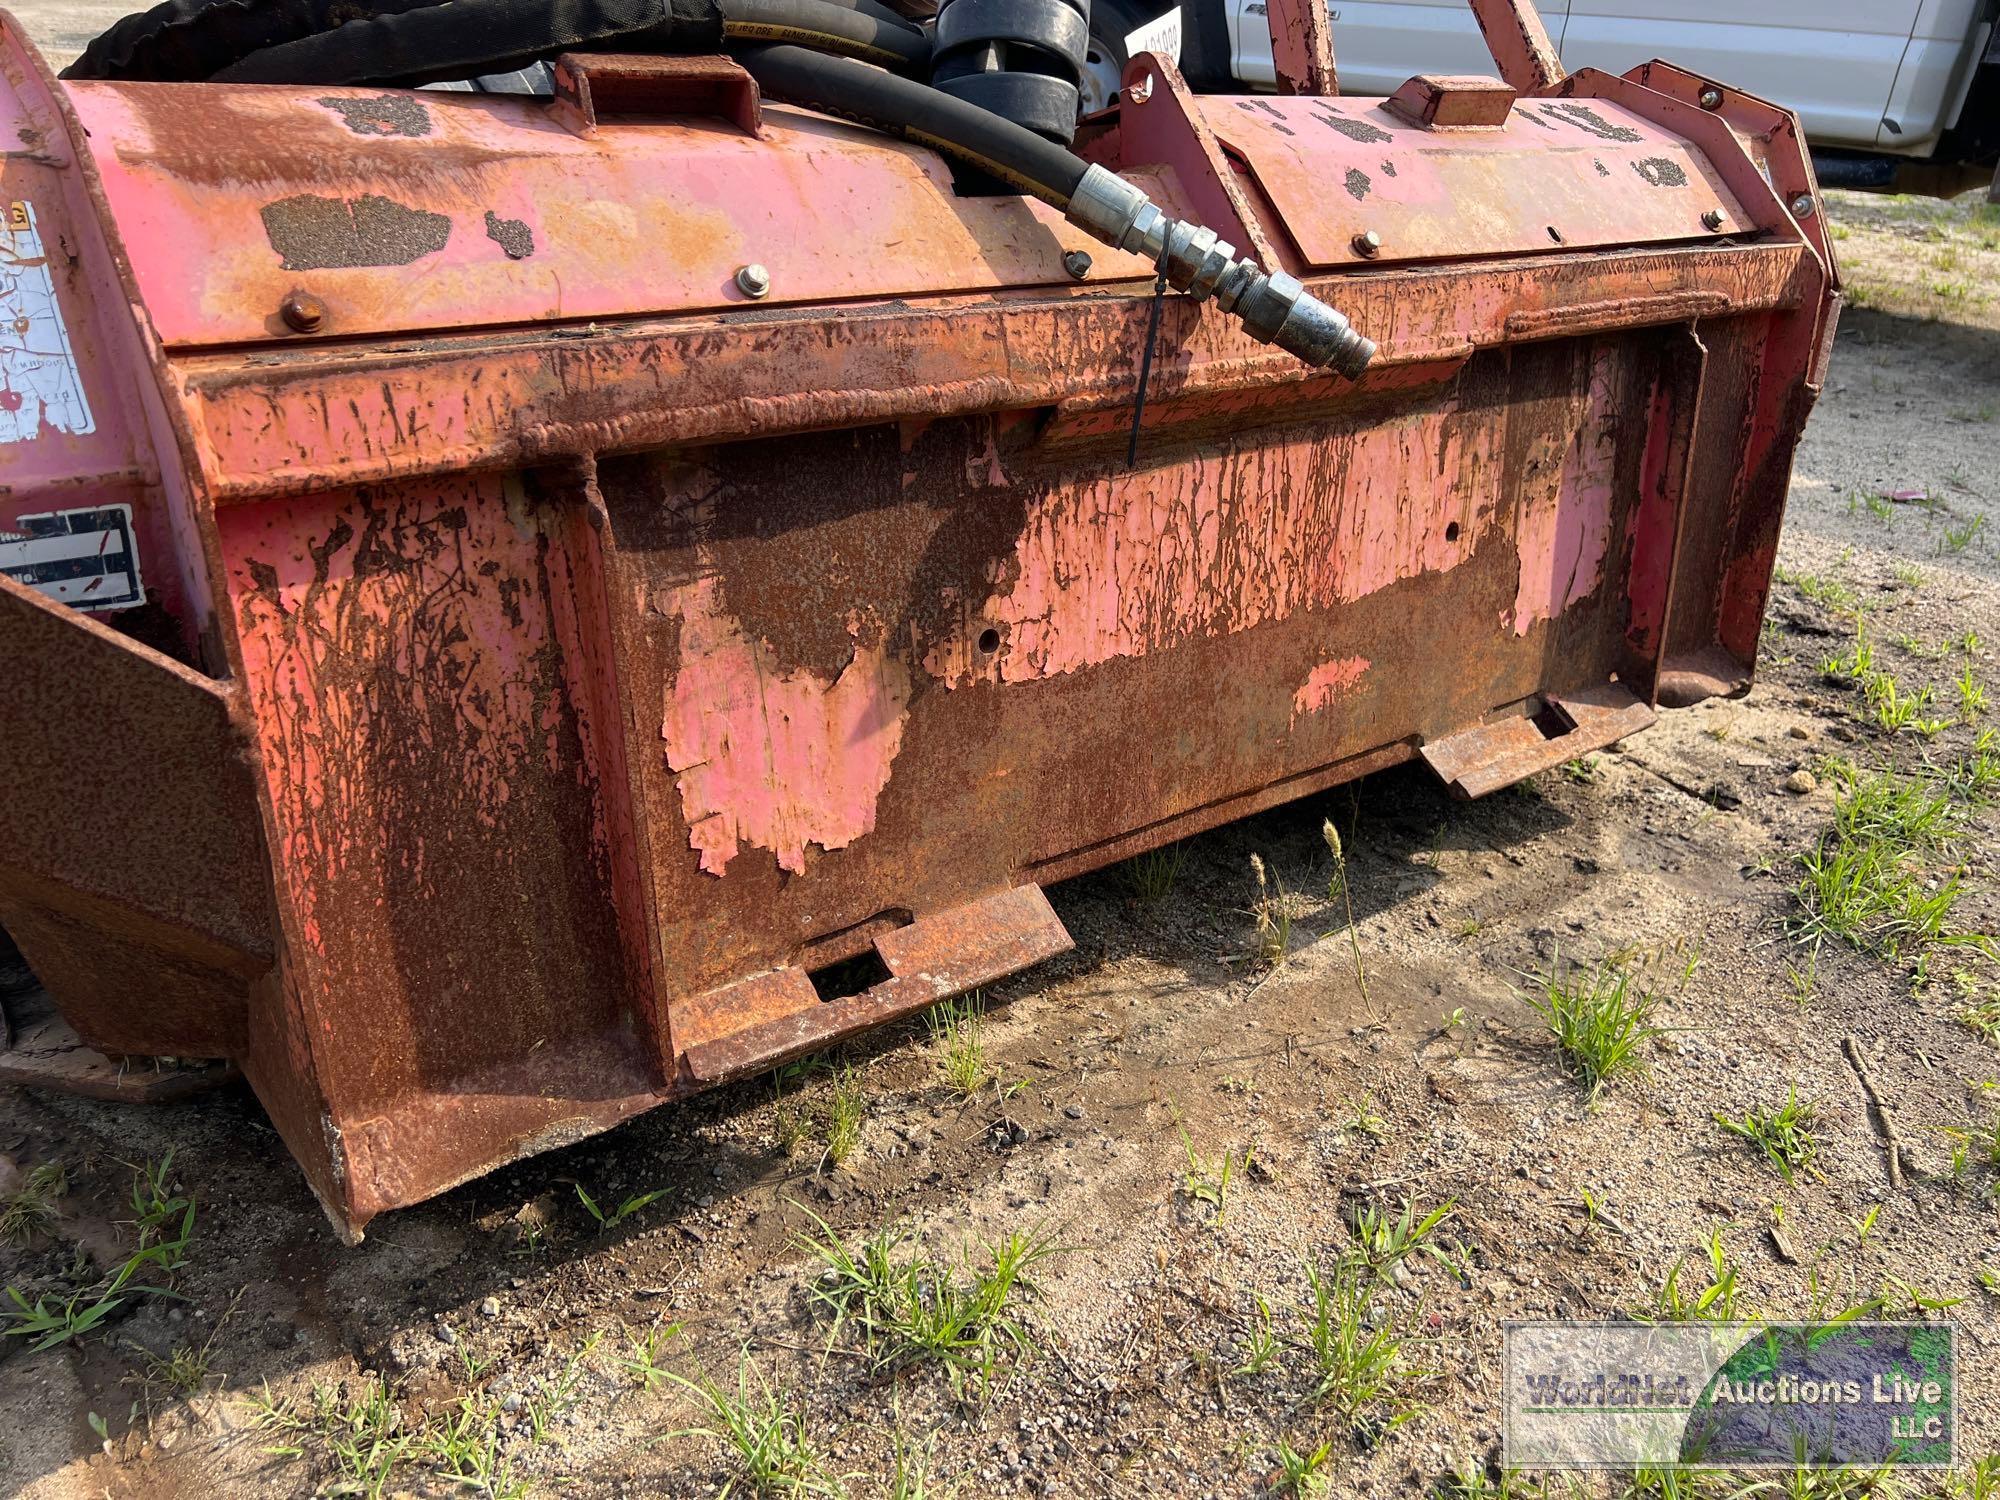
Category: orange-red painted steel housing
[550,657]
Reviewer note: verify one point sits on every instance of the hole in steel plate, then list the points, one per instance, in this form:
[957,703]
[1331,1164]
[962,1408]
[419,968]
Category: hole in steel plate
[1555,234]
[989,641]
[1552,719]
[849,977]
[1451,531]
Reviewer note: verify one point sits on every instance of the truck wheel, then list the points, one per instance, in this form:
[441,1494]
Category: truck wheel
[1111,21]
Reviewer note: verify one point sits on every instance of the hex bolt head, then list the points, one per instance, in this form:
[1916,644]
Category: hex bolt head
[1077,263]
[753,281]
[1711,98]
[1803,206]
[302,312]
[1712,220]
[1368,244]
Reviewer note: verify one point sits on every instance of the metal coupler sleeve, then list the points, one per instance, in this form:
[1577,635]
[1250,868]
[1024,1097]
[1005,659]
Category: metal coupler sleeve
[1275,308]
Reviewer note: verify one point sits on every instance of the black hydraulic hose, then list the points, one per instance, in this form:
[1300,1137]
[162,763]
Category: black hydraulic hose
[823,25]
[459,40]
[917,112]
[467,37]
[186,41]
[878,11]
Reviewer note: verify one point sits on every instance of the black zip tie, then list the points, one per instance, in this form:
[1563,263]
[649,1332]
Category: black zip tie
[1146,362]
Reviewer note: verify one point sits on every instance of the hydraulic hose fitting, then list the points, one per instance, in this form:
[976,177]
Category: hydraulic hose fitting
[1275,307]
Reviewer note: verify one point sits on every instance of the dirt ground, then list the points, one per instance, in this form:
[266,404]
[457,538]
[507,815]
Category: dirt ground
[499,1341]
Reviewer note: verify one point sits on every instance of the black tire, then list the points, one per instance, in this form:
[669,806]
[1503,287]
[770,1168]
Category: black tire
[1111,21]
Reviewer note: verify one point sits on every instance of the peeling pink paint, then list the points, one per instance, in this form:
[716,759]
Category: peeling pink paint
[1563,537]
[770,758]
[1138,561]
[1327,683]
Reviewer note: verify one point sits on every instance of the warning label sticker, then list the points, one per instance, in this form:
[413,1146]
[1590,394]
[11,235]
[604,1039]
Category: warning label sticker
[84,558]
[39,388]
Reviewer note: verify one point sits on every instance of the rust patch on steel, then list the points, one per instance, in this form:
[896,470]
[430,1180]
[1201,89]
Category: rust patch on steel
[1119,564]
[1360,131]
[1519,43]
[511,235]
[1488,757]
[1660,171]
[387,114]
[1585,118]
[933,959]
[1358,184]
[1564,531]
[414,658]
[318,234]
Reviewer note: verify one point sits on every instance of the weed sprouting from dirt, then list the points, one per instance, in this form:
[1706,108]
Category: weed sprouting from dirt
[1471,1481]
[608,1219]
[1895,710]
[913,1472]
[1971,694]
[161,1216]
[1829,592]
[1357,1354]
[1601,1020]
[1150,876]
[1959,537]
[846,1110]
[1303,1472]
[1981,1008]
[1679,1301]
[1208,1182]
[1338,885]
[1261,1346]
[1383,1237]
[35,1207]
[1888,876]
[836,1117]
[766,1433]
[370,1446]
[185,1370]
[363,1440]
[642,1357]
[958,1030]
[165,1228]
[1273,921]
[1344,1346]
[1784,1133]
[1365,1119]
[911,1307]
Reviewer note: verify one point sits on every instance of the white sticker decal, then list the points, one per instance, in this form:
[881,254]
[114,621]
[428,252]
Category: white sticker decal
[39,388]
[84,558]
[1162,36]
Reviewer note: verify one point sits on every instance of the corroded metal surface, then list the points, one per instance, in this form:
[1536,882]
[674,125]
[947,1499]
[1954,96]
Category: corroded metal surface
[1570,173]
[1520,44]
[609,686]
[1555,728]
[409,230]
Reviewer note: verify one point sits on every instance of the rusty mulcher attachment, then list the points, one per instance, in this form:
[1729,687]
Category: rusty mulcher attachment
[501,593]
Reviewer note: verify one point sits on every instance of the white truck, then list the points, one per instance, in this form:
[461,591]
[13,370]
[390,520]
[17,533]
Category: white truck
[1896,95]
